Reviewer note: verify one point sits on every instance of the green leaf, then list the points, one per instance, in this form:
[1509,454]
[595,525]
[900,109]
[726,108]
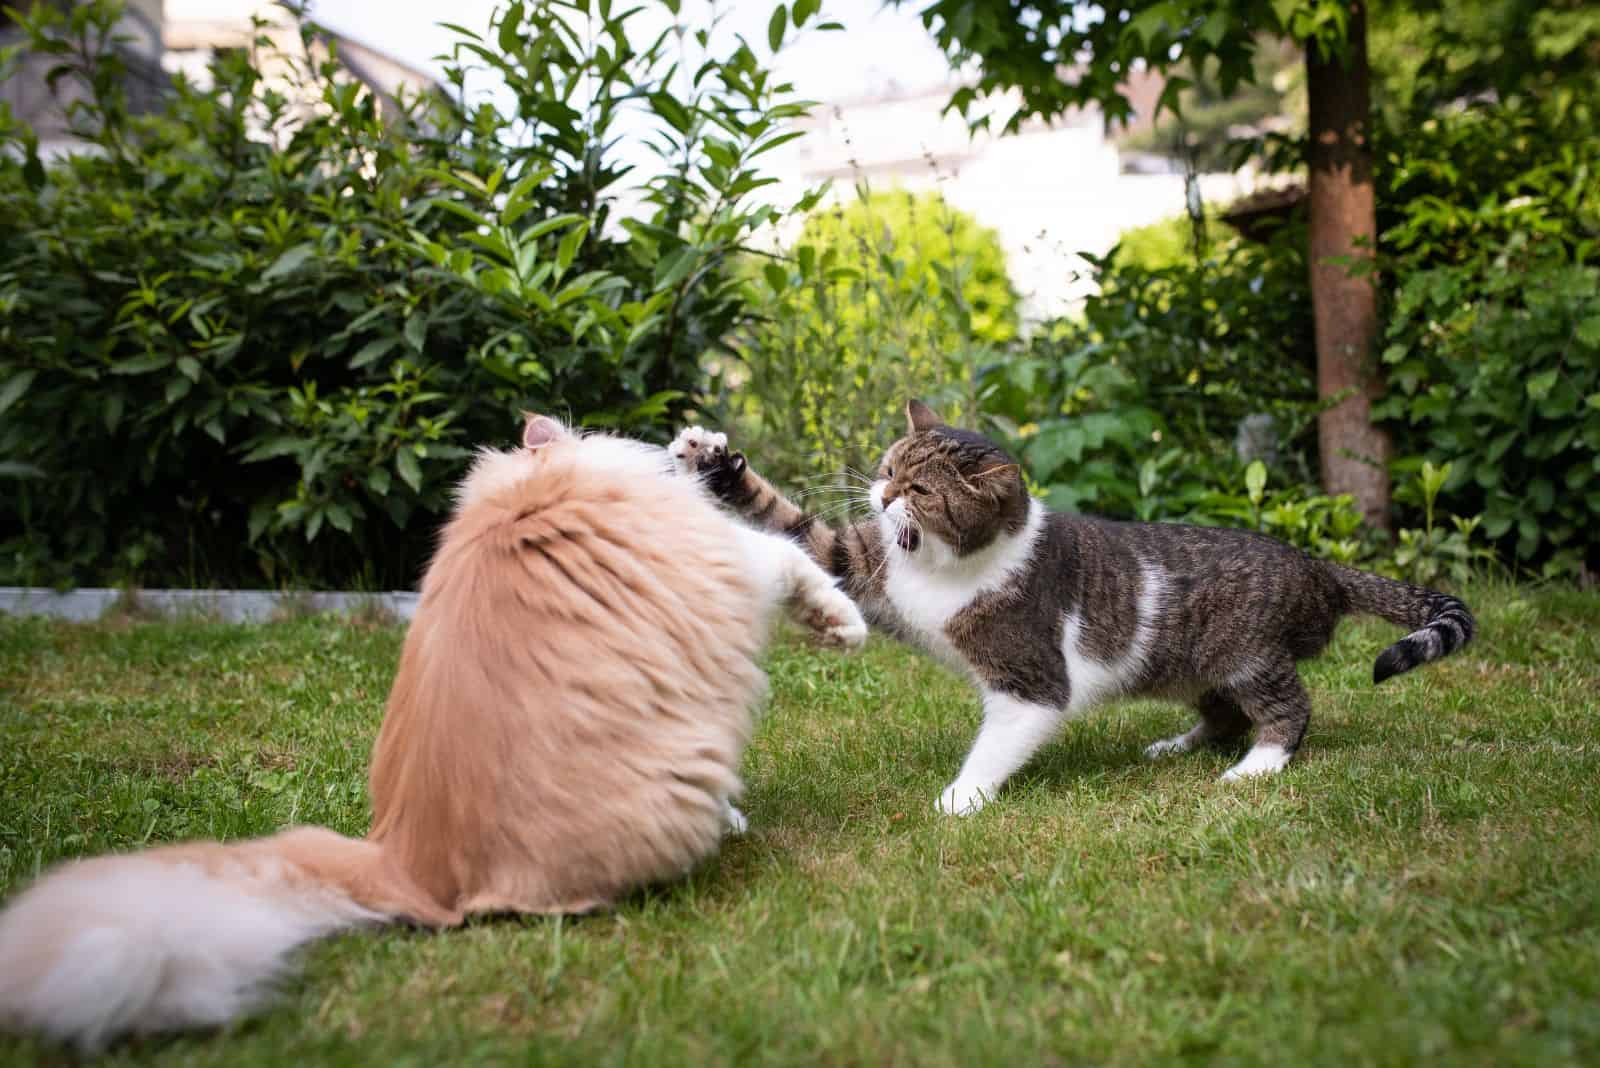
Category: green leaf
[139,365]
[290,259]
[1588,331]
[14,388]
[455,207]
[373,350]
[776,277]
[555,222]
[339,516]
[776,25]
[1539,385]
[112,410]
[675,267]
[416,331]
[1255,480]
[1152,20]
[190,367]
[803,10]
[273,447]
[405,464]
[667,106]
[571,241]
[1057,444]
[510,22]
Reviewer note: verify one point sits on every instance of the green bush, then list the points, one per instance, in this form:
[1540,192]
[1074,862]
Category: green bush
[248,341]
[1496,371]
[1489,229]
[1492,343]
[1169,242]
[890,296]
[1160,369]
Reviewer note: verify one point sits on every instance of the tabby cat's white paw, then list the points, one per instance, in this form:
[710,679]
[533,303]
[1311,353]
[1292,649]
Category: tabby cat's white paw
[694,447]
[1261,760]
[1180,743]
[959,799]
[836,621]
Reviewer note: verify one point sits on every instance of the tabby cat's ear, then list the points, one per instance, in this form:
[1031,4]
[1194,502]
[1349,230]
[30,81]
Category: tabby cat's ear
[920,417]
[540,430]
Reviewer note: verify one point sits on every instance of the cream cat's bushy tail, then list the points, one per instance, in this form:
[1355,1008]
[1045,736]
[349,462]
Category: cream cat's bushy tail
[185,936]
[566,723]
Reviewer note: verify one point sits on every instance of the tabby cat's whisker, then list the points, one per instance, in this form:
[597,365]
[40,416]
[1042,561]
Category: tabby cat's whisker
[851,472]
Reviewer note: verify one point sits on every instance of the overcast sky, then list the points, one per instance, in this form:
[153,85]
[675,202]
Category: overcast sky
[881,47]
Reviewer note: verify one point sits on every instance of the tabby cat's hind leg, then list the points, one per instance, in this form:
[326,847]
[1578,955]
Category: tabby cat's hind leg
[1221,721]
[1277,703]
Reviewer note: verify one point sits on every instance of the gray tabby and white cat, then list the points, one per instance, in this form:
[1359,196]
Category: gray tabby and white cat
[1050,614]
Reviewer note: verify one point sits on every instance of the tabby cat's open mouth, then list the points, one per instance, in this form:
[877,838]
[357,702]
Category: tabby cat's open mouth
[908,539]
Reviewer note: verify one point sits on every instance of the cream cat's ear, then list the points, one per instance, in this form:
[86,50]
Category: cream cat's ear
[920,417]
[540,430]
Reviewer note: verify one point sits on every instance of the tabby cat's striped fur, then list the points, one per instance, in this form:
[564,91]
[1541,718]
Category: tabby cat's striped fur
[1050,613]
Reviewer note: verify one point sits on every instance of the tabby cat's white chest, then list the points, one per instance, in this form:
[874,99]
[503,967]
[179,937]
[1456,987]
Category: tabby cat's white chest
[927,598]
[925,603]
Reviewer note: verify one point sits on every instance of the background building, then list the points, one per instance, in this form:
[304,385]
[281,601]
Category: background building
[164,39]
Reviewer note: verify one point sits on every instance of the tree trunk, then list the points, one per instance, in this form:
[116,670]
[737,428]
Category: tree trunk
[1343,221]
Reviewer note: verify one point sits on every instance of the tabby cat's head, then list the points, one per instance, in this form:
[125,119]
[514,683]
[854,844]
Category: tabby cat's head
[944,492]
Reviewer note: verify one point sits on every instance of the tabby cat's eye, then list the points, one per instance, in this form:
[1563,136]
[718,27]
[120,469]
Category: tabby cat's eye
[917,487]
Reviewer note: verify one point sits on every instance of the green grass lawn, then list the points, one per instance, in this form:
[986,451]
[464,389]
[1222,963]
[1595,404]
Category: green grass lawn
[1423,884]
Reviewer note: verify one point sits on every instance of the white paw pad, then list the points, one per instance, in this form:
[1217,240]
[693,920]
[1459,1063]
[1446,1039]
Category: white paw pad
[836,621]
[1261,760]
[960,799]
[1180,743]
[695,446]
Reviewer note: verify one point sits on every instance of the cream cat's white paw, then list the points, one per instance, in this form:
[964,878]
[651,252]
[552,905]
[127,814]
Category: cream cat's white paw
[960,799]
[737,822]
[693,446]
[835,620]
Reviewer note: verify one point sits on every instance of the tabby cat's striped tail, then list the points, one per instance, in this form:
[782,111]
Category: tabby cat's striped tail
[1440,623]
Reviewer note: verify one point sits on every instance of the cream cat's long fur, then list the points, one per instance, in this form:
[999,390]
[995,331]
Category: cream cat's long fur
[573,698]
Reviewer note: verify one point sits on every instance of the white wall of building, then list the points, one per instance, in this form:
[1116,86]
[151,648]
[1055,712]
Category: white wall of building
[1049,191]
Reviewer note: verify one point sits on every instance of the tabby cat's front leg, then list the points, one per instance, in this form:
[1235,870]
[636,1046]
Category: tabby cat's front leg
[785,572]
[854,554]
[1013,730]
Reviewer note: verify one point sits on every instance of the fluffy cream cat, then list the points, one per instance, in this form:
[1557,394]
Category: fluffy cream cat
[573,698]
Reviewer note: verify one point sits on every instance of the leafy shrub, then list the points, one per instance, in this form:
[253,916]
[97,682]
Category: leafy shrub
[891,296]
[1168,242]
[1492,343]
[252,337]
[1432,553]
[1497,373]
[1141,398]
[1489,225]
